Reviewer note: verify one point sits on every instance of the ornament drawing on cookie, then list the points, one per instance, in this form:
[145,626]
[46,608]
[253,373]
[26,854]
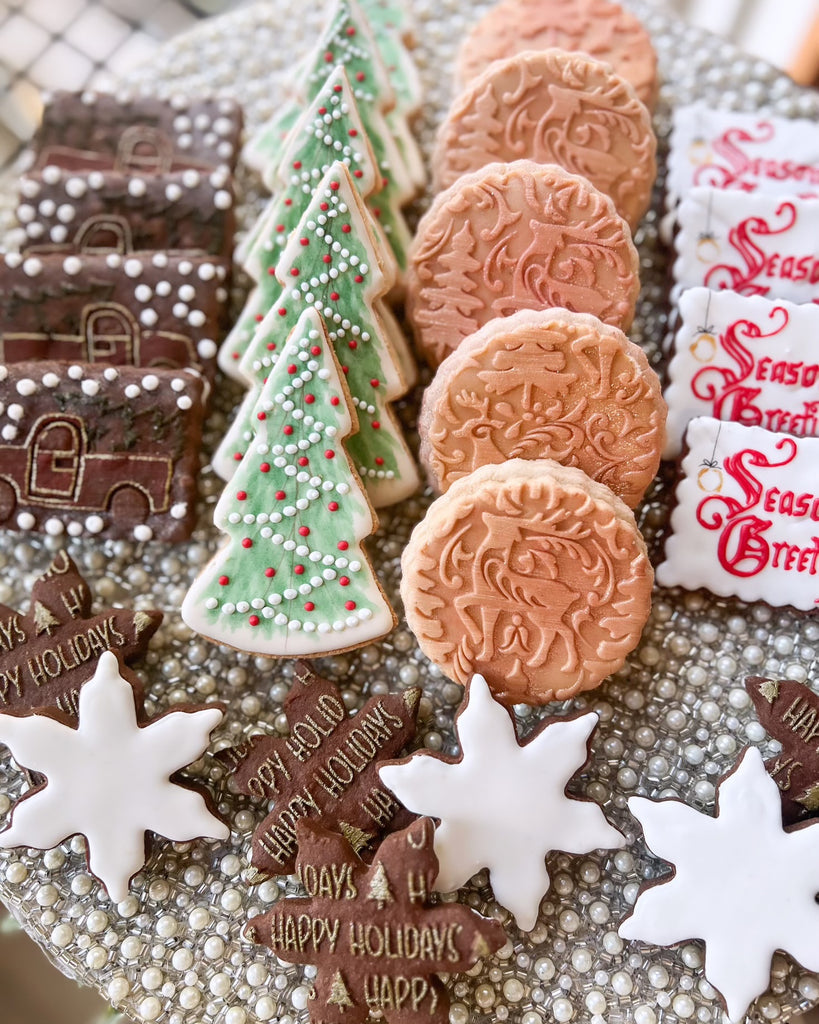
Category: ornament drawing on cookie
[370,930]
[502,805]
[109,777]
[293,578]
[740,882]
[326,769]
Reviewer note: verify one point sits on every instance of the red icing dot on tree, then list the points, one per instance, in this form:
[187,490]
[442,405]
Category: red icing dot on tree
[304,531]
[309,399]
[259,318]
[261,415]
[327,258]
[304,241]
[346,229]
[247,542]
[360,76]
[335,185]
[376,425]
[335,400]
[241,495]
[358,279]
[280,495]
[297,164]
[349,605]
[292,368]
[254,620]
[304,461]
[334,296]
[374,383]
[265,467]
[333,506]
[282,311]
[223,581]
[342,545]
[315,350]
[344,581]
[329,454]
[298,570]
[294,272]
[309,606]
[270,572]
[379,461]
[288,429]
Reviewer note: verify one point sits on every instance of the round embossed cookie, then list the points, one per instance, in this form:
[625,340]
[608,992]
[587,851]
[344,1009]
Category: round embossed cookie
[516,236]
[557,107]
[600,28]
[531,574]
[546,384]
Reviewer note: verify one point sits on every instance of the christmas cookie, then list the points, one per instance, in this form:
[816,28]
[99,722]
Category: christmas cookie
[604,30]
[116,807]
[47,654]
[753,244]
[553,107]
[718,890]
[747,152]
[502,805]
[545,384]
[517,236]
[100,450]
[143,309]
[370,930]
[326,769]
[293,578]
[789,711]
[71,211]
[331,264]
[137,134]
[744,523]
[532,575]
[743,358]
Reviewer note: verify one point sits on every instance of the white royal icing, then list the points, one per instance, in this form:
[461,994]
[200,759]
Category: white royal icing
[747,152]
[503,806]
[753,244]
[746,522]
[741,883]
[109,779]
[743,358]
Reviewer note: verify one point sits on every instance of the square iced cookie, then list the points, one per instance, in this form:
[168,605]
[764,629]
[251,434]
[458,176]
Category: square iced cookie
[743,358]
[746,518]
[754,244]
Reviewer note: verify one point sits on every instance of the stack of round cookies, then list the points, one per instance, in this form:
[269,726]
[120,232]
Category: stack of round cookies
[543,425]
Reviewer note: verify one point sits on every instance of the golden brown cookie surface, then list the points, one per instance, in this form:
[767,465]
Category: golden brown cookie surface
[600,28]
[531,574]
[517,236]
[546,384]
[552,106]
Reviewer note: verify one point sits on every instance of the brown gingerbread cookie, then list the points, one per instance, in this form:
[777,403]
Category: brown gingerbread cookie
[370,930]
[546,384]
[517,236]
[531,574]
[48,653]
[137,134]
[326,769]
[789,711]
[553,107]
[88,449]
[600,28]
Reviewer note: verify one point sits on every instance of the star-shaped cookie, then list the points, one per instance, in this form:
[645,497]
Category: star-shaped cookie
[503,805]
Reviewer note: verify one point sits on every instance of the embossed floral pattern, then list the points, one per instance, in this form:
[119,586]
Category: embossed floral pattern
[554,107]
[530,574]
[540,385]
[517,236]
[597,27]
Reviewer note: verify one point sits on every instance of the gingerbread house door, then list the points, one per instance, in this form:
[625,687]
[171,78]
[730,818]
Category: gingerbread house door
[57,451]
[111,335]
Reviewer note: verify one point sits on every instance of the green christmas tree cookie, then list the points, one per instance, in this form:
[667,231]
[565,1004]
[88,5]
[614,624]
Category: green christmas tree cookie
[330,266]
[293,579]
[329,129]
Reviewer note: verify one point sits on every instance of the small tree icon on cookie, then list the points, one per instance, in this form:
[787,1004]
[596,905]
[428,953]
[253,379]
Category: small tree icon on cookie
[331,264]
[293,579]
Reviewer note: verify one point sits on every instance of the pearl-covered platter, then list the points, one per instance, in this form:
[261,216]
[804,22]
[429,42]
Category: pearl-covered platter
[672,721]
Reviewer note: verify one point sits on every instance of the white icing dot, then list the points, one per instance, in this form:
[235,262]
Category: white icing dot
[94,524]
[185,267]
[184,402]
[32,266]
[206,348]
[206,271]
[137,187]
[133,268]
[51,174]
[72,265]
[66,213]
[211,603]
[132,391]
[163,288]
[150,382]
[90,387]
[159,259]
[190,178]
[143,532]
[110,373]
[76,188]
[96,180]
[25,520]
[180,510]
[113,260]
[26,387]
[51,380]
[53,527]
[25,213]
[222,199]
[75,371]
[143,292]
[148,317]
[15,412]
[180,310]
[74,529]
[196,318]
[173,192]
